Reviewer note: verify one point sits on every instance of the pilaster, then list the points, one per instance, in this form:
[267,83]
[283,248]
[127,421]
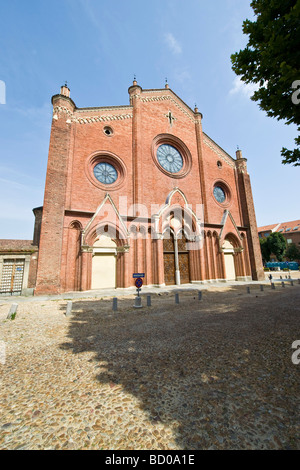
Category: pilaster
[51,239]
[249,218]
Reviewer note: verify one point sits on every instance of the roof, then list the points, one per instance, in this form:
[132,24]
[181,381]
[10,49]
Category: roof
[267,228]
[282,227]
[16,245]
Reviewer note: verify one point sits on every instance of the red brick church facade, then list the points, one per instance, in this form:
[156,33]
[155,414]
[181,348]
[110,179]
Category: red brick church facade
[141,188]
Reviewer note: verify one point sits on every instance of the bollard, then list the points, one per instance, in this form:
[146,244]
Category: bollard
[148,300]
[262,288]
[273,285]
[138,302]
[199,294]
[176,298]
[69,309]
[115,304]
[283,284]
[12,312]
[248,290]
[298,281]
[292,283]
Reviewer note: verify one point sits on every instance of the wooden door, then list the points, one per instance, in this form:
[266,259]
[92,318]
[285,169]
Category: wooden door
[183,259]
[169,260]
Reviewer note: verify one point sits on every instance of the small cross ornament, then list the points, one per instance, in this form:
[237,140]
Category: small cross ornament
[170,117]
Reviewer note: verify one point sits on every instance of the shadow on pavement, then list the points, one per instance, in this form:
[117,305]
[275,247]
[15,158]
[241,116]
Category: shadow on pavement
[218,371]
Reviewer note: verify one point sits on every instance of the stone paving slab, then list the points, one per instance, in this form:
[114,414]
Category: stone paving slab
[210,374]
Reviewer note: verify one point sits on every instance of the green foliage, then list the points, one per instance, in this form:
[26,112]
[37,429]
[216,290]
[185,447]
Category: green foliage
[271,60]
[265,249]
[292,252]
[277,245]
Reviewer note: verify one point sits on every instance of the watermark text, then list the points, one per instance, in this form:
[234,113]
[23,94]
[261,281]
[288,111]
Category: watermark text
[296,354]
[296,94]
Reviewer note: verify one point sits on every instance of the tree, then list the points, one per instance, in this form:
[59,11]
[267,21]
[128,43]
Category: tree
[277,245]
[271,60]
[292,252]
[265,249]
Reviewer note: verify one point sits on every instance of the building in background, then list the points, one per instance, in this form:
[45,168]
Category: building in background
[289,230]
[18,267]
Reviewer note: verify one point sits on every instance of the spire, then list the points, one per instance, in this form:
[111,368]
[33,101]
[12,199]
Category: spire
[238,154]
[65,90]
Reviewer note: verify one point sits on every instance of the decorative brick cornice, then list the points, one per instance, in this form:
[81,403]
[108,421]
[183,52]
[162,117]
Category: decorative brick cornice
[61,109]
[87,119]
[103,118]
[217,150]
[151,99]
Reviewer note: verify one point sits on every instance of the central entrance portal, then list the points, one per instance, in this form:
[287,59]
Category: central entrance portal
[176,259]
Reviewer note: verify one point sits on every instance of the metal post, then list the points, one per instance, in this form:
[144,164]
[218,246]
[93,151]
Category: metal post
[176,298]
[148,300]
[177,271]
[248,290]
[115,304]
[199,294]
[262,288]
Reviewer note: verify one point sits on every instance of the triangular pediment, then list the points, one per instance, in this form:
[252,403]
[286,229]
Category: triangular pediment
[229,227]
[106,214]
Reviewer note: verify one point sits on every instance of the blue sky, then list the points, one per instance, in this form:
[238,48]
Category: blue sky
[98,46]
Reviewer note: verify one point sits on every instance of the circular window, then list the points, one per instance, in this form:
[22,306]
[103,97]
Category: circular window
[105,170]
[105,173]
[108,130]
[169,158]
[171,155]
[219,194]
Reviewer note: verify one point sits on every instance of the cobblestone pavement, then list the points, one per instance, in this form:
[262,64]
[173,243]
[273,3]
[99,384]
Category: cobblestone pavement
[210,374]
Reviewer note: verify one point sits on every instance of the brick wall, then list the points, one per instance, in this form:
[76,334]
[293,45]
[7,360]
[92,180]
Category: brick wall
[72,195]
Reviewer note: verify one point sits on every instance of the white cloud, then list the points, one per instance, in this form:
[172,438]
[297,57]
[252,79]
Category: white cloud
[239,87]
[173,44]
